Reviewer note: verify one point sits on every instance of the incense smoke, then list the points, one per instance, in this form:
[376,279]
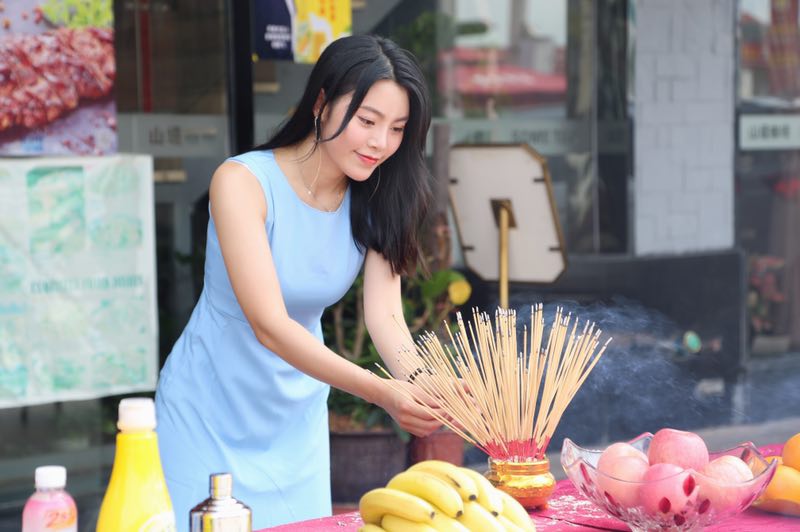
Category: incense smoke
[640,384]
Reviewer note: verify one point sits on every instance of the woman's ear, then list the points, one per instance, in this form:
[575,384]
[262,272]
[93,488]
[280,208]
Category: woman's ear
[320,103]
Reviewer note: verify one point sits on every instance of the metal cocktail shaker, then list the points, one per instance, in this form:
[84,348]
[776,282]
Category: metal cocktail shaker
[220,512]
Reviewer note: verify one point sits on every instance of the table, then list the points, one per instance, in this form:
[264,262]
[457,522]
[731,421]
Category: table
[568,511]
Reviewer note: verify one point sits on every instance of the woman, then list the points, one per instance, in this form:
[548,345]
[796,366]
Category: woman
[341,184]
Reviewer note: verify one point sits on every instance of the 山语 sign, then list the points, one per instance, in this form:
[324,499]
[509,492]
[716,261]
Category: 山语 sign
[769,132]
[77,278]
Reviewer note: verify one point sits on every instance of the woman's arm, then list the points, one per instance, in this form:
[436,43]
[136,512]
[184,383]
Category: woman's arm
[239,211]
[383,312]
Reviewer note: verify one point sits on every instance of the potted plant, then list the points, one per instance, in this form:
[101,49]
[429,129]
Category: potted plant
[765,297]
[367,446]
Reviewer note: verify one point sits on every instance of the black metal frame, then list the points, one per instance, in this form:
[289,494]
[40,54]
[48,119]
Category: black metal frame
[240,76]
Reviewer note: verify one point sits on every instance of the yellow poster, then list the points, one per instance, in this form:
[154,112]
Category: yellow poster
[317,23]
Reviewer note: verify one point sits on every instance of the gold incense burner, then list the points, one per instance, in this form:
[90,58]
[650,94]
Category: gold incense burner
[530,482]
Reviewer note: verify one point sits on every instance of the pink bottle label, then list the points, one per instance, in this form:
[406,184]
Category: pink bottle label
[56,514]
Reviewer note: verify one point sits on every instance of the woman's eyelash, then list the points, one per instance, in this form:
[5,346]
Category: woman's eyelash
[368,122]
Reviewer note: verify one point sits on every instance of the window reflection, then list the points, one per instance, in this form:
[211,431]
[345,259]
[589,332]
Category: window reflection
[768,171]
[552,74]
[170,56]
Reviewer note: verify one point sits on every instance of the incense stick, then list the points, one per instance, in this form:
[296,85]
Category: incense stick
[506,402]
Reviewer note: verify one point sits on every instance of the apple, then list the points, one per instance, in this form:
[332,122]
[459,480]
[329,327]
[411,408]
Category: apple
[728,468]
[720,483]
[619,478]
[615,450]
[667,489]
[680,448]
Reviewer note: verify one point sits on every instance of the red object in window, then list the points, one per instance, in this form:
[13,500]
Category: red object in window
[504,79]
[789,188]
[784,48]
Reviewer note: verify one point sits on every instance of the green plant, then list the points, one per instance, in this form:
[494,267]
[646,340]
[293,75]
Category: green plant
[427,303]
[764,294]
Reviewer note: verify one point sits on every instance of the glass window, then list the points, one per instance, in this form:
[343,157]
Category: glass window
[171,74]
[552,74]
[768,171]
[170,56]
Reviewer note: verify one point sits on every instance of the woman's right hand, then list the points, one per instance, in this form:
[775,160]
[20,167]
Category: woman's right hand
[409,413]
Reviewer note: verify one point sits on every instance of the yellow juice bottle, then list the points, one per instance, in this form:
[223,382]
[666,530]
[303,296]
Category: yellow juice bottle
[136,499]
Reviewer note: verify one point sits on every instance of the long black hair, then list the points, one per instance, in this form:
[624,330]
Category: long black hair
[388,209]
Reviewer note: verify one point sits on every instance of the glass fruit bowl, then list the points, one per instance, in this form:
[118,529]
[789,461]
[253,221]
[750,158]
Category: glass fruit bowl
[688,500]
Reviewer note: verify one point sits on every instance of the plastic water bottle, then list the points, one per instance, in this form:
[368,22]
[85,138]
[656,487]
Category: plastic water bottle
[136,499]
[50,507]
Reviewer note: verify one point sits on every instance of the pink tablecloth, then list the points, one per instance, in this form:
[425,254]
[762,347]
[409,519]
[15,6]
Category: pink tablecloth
[568,511]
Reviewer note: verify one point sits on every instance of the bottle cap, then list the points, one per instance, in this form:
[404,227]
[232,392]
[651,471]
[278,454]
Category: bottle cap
[51,476]
[221,485]
[136,413]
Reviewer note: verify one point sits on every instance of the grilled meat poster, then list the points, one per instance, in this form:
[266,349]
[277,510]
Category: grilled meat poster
[57,74]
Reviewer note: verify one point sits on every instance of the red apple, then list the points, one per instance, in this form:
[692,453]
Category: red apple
[667,489]
[680,448]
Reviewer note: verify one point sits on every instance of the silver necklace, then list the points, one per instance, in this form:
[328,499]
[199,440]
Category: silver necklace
[310,188]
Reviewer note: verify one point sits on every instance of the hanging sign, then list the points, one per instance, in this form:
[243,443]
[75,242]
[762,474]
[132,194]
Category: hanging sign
[298,30]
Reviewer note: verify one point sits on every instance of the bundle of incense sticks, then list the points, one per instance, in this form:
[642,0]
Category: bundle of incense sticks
[505,401]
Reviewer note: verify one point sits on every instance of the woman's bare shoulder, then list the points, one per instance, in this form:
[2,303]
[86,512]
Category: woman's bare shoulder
[235,184]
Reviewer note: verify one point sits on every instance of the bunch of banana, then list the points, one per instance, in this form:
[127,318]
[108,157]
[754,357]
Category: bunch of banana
[435,496]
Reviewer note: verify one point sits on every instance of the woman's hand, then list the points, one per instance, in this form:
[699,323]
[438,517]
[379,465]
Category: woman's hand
[409,413]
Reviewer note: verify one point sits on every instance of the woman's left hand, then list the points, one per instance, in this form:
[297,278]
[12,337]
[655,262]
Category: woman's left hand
[409,413]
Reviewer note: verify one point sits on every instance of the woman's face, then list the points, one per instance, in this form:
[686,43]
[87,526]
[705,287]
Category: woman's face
[372,135]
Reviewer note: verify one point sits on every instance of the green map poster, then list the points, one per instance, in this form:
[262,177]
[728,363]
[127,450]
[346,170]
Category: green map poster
[77,278]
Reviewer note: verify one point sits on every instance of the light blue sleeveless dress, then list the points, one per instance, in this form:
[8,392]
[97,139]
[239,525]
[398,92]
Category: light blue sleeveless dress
[225,403]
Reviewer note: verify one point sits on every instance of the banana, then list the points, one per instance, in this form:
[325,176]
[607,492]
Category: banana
[374,504]
[508,524]
[453,474]
[515,512]
[394,523]
[488,495]
[476,517]
[433,489]
[442,523]
[371,528]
